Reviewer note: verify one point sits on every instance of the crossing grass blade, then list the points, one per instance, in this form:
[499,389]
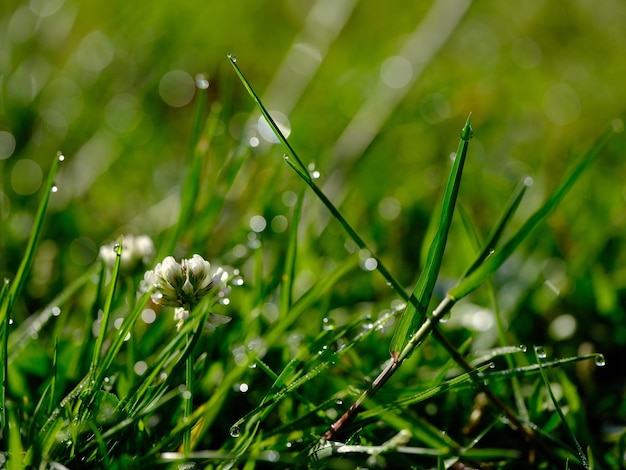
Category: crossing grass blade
[415,313]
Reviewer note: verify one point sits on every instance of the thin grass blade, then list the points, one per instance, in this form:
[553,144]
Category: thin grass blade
[5,362]
[289,269]
[292,159]
[415,313]
[106,311]
[29,253]
[496,234]
[266,115]
[491,264]
[544,377]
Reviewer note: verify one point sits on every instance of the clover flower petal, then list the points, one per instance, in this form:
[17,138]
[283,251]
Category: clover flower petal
[183,285]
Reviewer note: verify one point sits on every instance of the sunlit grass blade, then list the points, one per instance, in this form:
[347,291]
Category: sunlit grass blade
[29,253]
[266,115]
[491,264]
[296,164]
[415,312]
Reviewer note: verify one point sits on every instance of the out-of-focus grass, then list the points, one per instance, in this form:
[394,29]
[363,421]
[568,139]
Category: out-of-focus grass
[113,88]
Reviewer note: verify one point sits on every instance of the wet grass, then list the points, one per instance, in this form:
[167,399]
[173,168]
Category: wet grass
[391,306]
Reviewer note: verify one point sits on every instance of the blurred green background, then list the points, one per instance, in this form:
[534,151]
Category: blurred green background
[374,96]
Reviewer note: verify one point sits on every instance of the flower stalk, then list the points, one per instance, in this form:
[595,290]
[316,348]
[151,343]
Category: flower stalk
[183,285]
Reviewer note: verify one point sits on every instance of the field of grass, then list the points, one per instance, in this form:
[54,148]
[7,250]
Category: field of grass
[321,154]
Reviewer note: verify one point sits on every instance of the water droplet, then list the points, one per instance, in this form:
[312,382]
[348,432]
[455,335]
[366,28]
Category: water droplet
[523,348]
[445,318]
[56,311]
[541,352]
[238,281]
[54,188]
[272,456]
[600,360]
[313,172]
[369,264]
[10,321]
[201,82]
[235,431]
[232,58]
[60,156]
[328,324]
[339,402]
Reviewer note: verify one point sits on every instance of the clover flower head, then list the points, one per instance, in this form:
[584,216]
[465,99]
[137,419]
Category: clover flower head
[183,285]
[137,250]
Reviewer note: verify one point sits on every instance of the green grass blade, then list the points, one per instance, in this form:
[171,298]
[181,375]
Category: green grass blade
[35,323]
[290,260]
[296,164]
[415,312]
[5,362]
[533,369]
[491,264]
[555,402]
[496,234]
[266,115]
[117,343]
[488,248]
[29,254]
[16,450]
[105,315]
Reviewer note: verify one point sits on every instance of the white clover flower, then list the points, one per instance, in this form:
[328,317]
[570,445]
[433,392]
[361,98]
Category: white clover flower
[136,250]
[183,285]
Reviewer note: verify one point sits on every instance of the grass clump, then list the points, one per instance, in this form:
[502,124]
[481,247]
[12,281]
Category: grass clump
[128,366]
